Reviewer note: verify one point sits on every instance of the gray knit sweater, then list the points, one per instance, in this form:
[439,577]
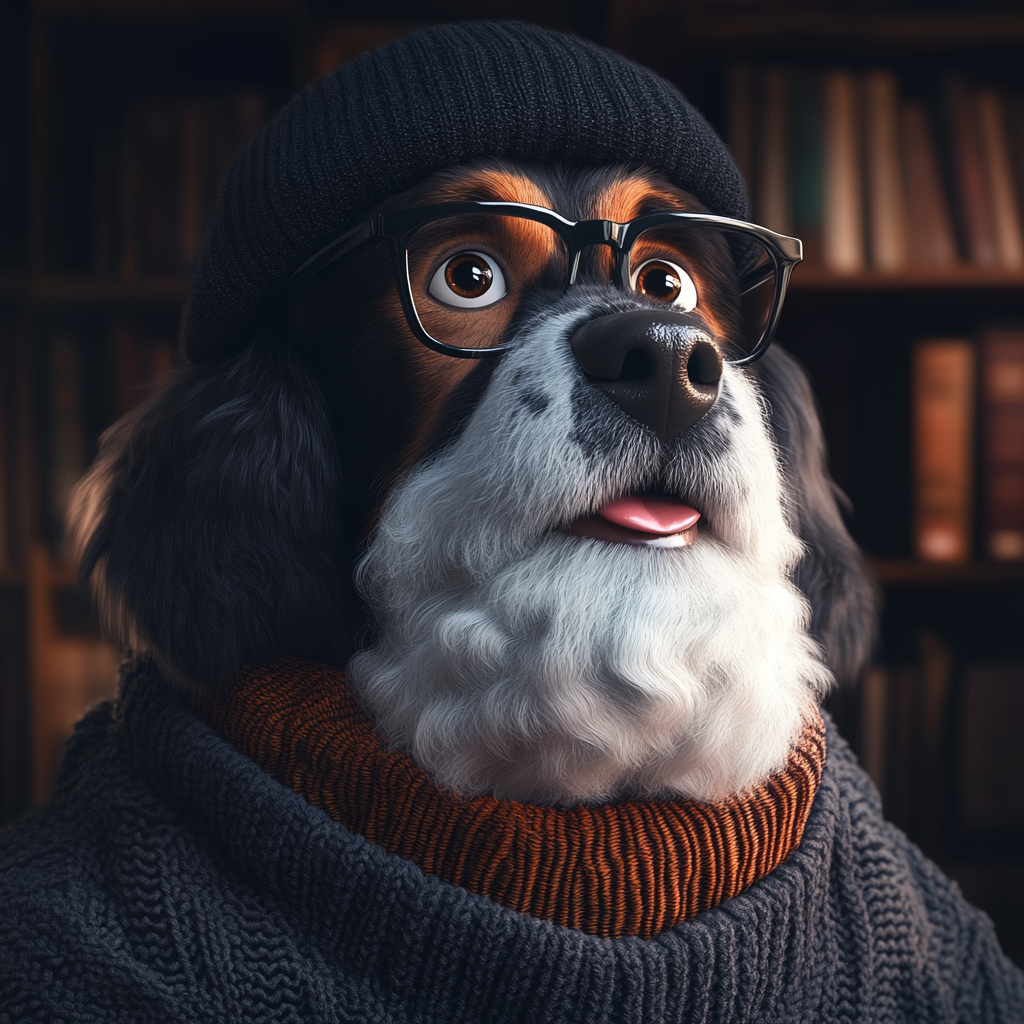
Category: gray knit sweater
[170,879]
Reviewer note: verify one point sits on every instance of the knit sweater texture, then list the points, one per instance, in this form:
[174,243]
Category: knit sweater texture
[169,878]
[632,867]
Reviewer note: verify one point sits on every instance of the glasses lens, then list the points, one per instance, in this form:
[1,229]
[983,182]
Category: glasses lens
[468,272]
[725,275]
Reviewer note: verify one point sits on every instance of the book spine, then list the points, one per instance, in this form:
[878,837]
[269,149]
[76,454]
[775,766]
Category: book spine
[163,358]
[990,794]
[843,210]
[1001,354]
[807,163]
[932,242]
[999,179]
[67,442]
[129,221]
[741,120]
[6,476]
[773,180]
[942,418]
[883,172]
[158,141]
[1013,125]
[874,724]
[104,258]
[250,111]
[127,369]
[191,217]
[974,204]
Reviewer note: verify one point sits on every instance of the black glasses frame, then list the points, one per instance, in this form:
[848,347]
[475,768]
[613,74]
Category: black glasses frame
[399,227]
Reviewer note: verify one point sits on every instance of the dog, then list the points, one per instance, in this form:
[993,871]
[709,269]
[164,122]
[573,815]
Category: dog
[513,641]
[480,576]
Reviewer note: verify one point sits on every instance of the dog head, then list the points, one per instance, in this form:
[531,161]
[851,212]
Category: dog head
[469,533]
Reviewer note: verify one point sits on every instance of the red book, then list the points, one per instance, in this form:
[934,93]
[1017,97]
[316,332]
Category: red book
[1002,442]
[943,419]
[931,238]
[975,202]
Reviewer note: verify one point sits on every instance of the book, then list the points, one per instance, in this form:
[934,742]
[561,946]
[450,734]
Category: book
[176,151]
[942,418]
[140,364]
[883,172]
[806,160]
[6,343]
[991,770]
[935,668]
[347,39]
[192,215]
[15,719]
[974,204]
[67,447]
[773,189]
[229,122]
[156,136]
[741,120]
[874,723]
[999,179]
[930,227]
[105,222]
[71,668]
[1001,357]
[1013,124]
[842,218]
[128,371]
[902,793]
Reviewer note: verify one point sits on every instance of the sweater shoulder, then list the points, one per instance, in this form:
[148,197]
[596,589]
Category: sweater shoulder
[922,927]
[70,941]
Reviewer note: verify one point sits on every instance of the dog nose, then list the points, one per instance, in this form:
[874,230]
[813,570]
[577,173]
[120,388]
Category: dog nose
[660,367]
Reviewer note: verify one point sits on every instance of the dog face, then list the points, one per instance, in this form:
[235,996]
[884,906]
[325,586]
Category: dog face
[525,645]
[522,640]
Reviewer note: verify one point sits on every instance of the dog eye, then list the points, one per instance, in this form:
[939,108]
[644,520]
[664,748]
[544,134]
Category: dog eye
[665,282]
[469,280]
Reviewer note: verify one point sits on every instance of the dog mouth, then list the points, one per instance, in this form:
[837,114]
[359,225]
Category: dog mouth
[644,520]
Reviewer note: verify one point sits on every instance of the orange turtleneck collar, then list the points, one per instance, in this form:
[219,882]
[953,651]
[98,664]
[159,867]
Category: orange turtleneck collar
[626,868]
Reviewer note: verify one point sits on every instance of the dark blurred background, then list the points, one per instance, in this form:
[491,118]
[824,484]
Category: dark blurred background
[889,135]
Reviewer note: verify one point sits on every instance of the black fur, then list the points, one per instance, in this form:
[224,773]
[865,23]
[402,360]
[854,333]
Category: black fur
[220,539]
[843,598]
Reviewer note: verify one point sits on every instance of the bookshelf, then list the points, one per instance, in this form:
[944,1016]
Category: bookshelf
[78,74]
[88,298]
[961,278]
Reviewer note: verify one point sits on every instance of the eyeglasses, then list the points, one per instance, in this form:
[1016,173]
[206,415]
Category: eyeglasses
[462,267]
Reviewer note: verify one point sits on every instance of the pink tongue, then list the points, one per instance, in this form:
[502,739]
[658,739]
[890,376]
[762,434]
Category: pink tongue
[650,514]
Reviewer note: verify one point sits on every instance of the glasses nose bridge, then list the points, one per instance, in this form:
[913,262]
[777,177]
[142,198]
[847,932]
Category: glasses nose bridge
[586,233]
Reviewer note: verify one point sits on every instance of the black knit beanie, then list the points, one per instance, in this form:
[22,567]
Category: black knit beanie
[438,97]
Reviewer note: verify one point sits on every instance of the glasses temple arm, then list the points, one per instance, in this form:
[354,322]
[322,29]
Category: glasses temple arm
[334,250]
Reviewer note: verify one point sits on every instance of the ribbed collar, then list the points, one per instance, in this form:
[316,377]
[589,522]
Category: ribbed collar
[625,868]
[422,950]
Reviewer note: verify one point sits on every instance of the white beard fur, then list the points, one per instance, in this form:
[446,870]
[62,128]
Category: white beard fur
[515,660]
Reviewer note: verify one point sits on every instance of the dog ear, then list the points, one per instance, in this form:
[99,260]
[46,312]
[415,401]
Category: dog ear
[209,525]
[832,575]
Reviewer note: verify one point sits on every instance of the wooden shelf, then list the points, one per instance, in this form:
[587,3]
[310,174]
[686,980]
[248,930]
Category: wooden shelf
[908,573]
[84,290]
[167,10]
[873,31]
[962,277]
